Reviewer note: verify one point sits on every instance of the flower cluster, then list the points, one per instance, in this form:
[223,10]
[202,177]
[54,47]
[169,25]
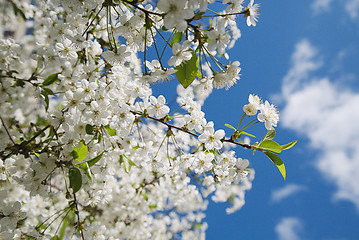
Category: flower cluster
[87,150]
[268,112]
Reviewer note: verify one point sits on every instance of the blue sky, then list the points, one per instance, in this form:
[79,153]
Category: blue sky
[304,57]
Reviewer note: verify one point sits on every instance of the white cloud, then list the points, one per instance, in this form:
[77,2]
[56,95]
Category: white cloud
[350,6]
[282,193]
[328,114]
[303,63]
[319,6]
[289,228]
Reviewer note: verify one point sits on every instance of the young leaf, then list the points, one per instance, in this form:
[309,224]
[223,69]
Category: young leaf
[289,145]
[229,126]
[79,153]
[46,99]
[51,79]
[270,145]
[18,11]
[94,160]
[177,38]
[248,134]
[63,229]
[84,166]
[269,135]
[278,162]
[75,179]
[110,131]
[131,162]
[187,71]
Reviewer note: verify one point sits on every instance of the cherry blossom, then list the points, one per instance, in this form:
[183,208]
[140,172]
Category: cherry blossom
[87,148]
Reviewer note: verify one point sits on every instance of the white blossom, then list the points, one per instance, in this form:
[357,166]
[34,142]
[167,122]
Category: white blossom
[158,107]
[269,115]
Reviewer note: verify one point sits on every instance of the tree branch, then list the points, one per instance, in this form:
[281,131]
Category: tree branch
[229,140]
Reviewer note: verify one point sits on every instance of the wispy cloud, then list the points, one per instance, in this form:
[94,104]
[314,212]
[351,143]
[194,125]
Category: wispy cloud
[289,228]
[304,61]
[327,113]
[319,6]
[350,6]
[280,194]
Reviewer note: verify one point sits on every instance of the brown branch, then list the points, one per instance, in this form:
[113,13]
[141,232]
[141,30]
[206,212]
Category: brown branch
[22,145]
[133,3]
[229,140]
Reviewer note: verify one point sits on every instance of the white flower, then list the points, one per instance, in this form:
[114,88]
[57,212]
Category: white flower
[252,13]
[12,215]
[249,109]
[227,79]
[219,80]
[66,49]
[218,37]
[180,53]
[269,115]
[233,74]
[176,13]
[116,58]
[210,138]
[157,72]
[158,107]
[253,106]
[203,162]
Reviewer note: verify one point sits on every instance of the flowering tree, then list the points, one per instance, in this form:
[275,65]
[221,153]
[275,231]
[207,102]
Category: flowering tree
[87,151]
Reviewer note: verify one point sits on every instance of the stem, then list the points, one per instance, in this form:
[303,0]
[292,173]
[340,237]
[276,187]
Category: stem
[248,125]
[223,15]
[141,9]
[7,131]
[248,146]
[92,21]
[240,121]
[78,218]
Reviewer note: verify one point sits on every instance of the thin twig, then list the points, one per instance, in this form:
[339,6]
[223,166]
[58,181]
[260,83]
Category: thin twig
[188,132]
[7,131]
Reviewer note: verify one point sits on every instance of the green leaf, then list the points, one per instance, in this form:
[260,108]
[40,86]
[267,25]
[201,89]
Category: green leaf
[48,91]
[278,162]
[198,15]
[84,166]
[229,126]
[136,147]
[177,37]
[152,206]
[18,11]
[94,160]
[46,99]
[110,131]
[270,145]
[51,79]
[75,179]
[269,135]
[63,229]
[289,145]
[55,238]
[131,162]
[89,129]
[187,71]
[248,134]
[79,153]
